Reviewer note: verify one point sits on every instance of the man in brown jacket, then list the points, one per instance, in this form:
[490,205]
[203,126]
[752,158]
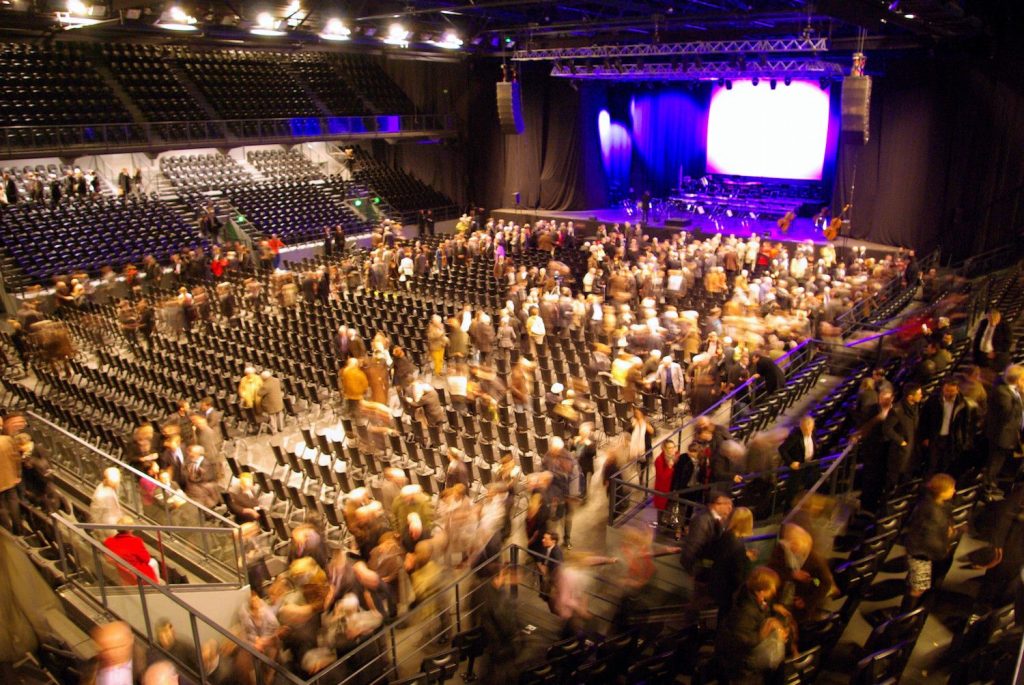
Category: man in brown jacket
[353,385]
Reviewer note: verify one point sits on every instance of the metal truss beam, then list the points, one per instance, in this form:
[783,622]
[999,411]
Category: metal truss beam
[714,47]
[778,69]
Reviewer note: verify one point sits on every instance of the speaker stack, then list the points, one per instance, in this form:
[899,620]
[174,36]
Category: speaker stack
[855,108]
[510,108]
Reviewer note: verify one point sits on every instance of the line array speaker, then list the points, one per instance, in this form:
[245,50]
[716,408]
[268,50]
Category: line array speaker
[510,108]
[856,108]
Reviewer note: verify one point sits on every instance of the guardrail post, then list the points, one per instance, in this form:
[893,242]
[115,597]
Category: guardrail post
[513,558]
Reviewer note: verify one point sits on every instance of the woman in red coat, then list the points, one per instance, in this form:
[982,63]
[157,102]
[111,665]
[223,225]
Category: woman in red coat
[664,466]
[130,547]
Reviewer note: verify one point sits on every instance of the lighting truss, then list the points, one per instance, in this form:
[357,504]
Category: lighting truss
[708,71]
[712,47]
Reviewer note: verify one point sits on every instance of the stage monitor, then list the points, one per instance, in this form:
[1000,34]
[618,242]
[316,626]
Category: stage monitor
[768,133]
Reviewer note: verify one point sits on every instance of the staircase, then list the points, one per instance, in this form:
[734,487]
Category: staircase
[196,94]
[307,91]
[115,86]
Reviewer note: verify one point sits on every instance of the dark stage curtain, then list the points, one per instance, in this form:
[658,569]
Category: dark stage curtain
[945,163]
[555,163]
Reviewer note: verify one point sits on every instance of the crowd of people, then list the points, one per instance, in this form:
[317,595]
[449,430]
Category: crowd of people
[683,318]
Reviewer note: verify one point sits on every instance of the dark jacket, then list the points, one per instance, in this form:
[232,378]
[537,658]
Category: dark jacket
[738,635]
[961,421]
[701,540]
[771,374]
[927,530]
[901,427]
[729,570]
[792,448]
[1002,342]
[1002,423]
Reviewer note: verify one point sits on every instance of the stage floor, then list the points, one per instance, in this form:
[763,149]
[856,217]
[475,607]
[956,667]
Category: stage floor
[800,230]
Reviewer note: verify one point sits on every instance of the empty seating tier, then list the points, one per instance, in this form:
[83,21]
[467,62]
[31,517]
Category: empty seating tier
[295,212]
[86,235]
[54,85]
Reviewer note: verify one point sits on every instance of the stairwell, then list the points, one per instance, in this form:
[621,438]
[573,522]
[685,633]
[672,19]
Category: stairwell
[307,91]
[115,86]
[195,92]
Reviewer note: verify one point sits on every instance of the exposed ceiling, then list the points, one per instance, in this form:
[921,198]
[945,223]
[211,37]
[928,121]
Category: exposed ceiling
[497,26]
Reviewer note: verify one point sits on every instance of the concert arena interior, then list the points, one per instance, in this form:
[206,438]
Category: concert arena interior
[511,342]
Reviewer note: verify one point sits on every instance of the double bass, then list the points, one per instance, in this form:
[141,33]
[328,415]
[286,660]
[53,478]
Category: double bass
[832,230]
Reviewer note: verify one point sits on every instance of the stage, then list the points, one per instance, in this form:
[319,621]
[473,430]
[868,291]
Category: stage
[587,221]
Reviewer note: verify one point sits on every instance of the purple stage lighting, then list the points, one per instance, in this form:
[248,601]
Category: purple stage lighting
[768,133]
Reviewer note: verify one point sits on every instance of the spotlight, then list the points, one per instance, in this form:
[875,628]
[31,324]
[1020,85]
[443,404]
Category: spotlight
[266,25]
[728,84]
[334,29]
[754,81]
[910,16]
[176,19]
[449,41]
[358,203]
[773,83]
[78,7]
[397,35]
[788,81]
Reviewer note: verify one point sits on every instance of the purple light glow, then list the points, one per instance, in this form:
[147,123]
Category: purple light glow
[616,146]
[757,131]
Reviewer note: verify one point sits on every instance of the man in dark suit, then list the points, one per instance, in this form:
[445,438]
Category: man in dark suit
[900,432]
[993,341]
[706,527]
[213,415]
[947,427]
[1003,423]
[430,222]
[768,371]
[421,223]
[10,189]
[798,451]
[124,183]
[173,458]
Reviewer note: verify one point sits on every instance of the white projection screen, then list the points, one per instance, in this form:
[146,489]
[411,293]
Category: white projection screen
[757,131]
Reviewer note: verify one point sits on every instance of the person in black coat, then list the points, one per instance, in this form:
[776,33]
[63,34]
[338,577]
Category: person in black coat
[900,432]
[1003,422]
[328,242]
[1002,581]
[768,371]
[748,625]
[731,565]
[993,341]
[927,535]
[947,427]
[10,189]
[798,452]
[706,528]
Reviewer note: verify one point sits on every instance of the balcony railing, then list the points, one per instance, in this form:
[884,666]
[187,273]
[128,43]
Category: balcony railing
[19,140]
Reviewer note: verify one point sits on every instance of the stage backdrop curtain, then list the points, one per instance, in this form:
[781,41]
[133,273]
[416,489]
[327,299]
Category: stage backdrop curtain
[555,163]
[945,163]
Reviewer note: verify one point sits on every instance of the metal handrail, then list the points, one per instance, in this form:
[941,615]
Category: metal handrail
[143,582]
[227,523]
[132,135]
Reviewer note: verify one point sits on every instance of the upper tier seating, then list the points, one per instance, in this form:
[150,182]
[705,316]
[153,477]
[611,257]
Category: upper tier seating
[204,172]
[53,86]
[283,165]
[319,72]
[367,78]
[246,84]
[89,234]
[145,74]
[295,212]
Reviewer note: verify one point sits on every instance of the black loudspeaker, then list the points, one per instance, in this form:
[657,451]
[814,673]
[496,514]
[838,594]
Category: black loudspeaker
[856,106]
[510,108]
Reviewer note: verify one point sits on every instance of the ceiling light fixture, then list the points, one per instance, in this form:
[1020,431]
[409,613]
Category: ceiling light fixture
[397,35]
[177,19]
[266,25]
[334,29]
[449,41]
